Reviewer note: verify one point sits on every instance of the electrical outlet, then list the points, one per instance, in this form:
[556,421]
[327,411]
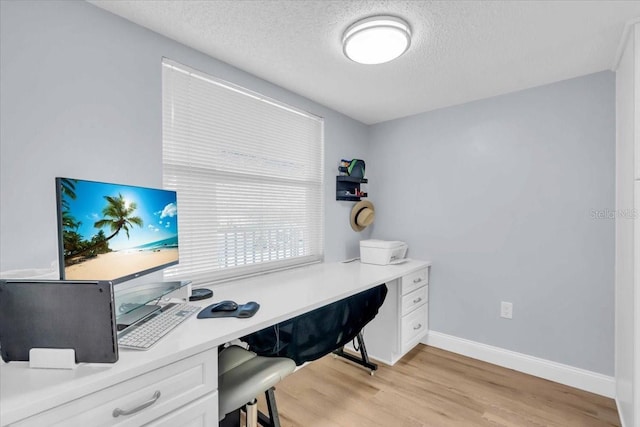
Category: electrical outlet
[506,310]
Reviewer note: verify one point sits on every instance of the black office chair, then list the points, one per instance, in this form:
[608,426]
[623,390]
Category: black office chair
[319,332]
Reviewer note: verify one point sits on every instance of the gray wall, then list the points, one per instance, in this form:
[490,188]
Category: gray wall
[500,194]
[81,97]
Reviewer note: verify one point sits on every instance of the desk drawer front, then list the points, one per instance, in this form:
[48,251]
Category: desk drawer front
[201,413]
[413,300]
[140,399]
[413,281]
[414,327]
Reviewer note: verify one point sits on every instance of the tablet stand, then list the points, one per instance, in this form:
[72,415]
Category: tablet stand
[52,358]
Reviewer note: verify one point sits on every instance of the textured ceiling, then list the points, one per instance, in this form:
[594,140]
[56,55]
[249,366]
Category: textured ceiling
[461,50]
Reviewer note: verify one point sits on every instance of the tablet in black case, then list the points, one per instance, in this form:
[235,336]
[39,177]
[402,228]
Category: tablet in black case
[58,314]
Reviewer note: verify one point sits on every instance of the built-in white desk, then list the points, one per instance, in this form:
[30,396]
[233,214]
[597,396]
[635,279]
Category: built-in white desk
[182,367]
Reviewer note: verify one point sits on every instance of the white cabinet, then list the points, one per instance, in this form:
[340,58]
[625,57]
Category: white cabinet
[403,318]
[627,255]
[141,399]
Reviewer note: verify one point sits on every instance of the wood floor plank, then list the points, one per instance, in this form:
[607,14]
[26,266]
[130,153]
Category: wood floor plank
[431,387]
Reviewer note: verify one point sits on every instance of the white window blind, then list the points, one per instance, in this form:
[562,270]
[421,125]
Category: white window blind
[249,175]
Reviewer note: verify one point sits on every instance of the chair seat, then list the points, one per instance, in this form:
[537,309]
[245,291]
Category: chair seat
[243,376]
[233,356]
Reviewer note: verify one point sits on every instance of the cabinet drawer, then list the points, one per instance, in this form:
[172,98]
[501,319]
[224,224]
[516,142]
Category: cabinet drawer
[201,413]
[414,327]
[414,299]
[413,281]
[155,393]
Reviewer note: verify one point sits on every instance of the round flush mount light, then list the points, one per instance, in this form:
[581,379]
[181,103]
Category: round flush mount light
[376,40]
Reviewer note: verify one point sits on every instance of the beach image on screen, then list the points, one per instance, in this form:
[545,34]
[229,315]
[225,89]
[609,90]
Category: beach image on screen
[112,231]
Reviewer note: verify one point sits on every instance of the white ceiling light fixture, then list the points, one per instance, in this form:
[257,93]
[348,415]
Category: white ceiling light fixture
[376,40]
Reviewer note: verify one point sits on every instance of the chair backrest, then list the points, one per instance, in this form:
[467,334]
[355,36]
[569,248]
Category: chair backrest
[319,332]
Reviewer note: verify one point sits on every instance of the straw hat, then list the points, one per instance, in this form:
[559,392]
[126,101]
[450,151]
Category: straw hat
[362,215]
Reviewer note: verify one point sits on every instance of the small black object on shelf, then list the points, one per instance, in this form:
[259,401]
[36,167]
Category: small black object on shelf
[356,168]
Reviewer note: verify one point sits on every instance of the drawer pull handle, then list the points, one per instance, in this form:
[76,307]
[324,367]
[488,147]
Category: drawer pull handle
[418,280]
[117,412]
[417,300]
[418,326]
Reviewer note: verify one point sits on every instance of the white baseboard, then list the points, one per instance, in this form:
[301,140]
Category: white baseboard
[564,374]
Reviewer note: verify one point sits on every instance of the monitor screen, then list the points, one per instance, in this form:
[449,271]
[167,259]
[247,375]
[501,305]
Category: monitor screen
[114,232]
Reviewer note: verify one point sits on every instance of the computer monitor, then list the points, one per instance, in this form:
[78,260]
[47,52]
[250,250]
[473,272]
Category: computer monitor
[114,232]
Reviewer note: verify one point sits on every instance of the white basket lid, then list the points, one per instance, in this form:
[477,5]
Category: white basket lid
[381,244]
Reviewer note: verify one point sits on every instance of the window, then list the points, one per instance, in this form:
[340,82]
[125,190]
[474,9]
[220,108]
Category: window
[249,175]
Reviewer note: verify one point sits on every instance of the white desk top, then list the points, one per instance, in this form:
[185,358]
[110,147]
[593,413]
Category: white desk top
[281,295]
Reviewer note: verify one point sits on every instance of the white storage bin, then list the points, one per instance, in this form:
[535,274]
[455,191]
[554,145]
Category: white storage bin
[382,252]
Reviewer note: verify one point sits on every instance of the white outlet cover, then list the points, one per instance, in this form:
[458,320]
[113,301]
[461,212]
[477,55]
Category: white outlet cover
[506,310]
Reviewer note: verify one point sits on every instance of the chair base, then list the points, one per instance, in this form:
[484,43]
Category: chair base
[363,360]
[273,420]
[234,419]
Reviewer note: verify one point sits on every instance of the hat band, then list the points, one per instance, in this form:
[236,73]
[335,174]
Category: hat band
[366,220]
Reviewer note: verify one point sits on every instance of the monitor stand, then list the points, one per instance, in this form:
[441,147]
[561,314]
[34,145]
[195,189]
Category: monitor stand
[138,302]
[136,315]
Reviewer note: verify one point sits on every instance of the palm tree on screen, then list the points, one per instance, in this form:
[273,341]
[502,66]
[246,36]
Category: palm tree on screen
[118,216]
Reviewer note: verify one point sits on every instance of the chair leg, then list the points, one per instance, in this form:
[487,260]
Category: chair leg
[273,420]
[252,413]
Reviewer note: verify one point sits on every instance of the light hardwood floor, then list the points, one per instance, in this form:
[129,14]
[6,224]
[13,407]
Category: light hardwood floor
[433,387]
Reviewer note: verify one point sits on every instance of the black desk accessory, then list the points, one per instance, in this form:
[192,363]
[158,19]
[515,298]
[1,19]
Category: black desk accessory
[58,314]
[243,311]
[200,294]
[224,306]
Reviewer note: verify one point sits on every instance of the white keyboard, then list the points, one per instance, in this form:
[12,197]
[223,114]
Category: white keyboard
[144,334]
